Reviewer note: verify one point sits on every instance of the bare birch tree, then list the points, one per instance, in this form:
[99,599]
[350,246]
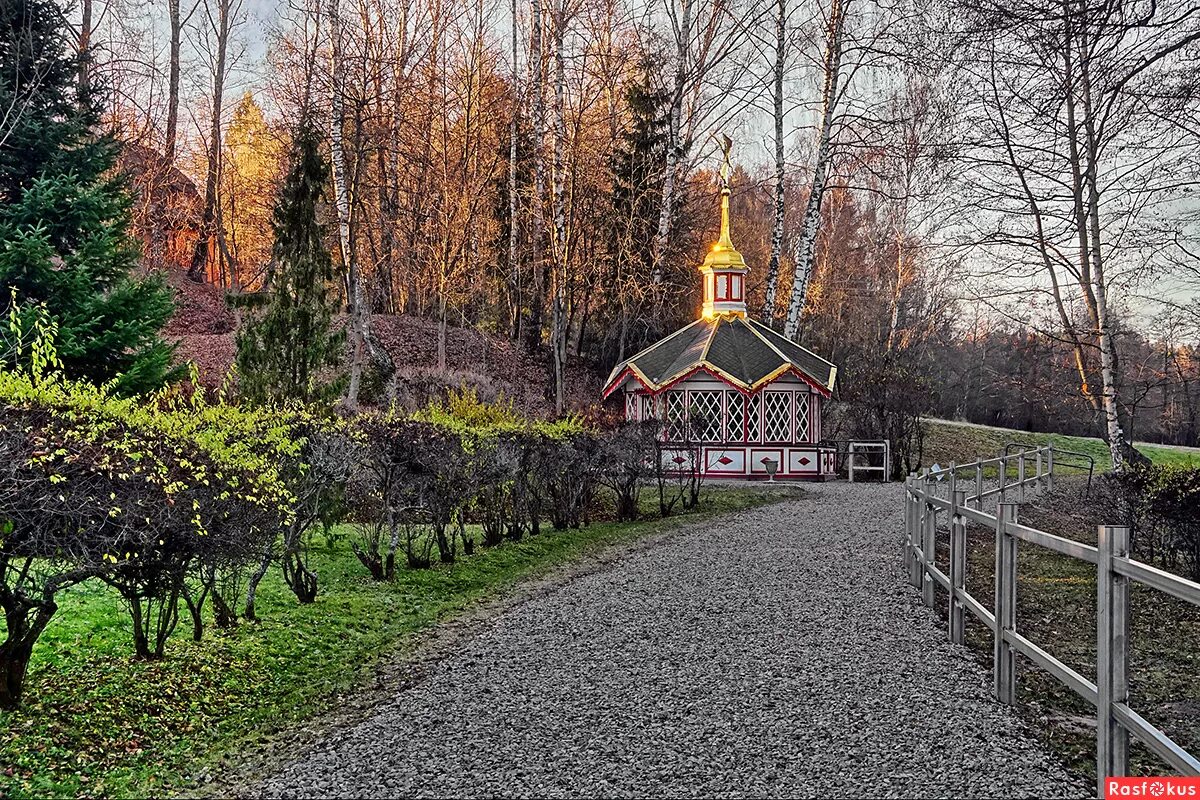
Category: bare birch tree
[223,17]
[779,208]
[1081,110]
[355,298]
[831,95]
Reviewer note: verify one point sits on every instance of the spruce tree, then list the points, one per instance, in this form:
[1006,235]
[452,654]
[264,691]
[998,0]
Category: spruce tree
[637,169]
[286,349]
[65,215]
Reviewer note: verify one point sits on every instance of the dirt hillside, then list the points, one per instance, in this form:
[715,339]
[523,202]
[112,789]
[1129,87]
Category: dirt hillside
[203,328]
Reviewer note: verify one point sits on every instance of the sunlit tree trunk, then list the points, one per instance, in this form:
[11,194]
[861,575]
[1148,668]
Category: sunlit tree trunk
[559,311]
[170,135]
[537,218]
[209,229]
[514,228]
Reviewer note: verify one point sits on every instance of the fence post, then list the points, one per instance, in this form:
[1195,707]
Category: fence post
[850,462]
[928,543]
[1021,477]
[979,484]
[958,565]
[1038,475]
[1050,468]
[908,524]
[1003,479]
[914,519]
[1004,667]
[1112,654]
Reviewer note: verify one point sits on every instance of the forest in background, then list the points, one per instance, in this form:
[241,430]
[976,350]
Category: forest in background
[978,209]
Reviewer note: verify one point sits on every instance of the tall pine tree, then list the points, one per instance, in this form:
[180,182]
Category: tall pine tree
[64,213]
[286,349]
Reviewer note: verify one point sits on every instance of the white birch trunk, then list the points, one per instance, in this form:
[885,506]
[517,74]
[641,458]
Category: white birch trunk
[341,191]
[559,334]
[674,145]
[812,210]
[537,233]
[513,206]
[1108,352]
[768,309]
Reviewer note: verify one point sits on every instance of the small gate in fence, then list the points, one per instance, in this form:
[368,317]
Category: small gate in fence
[960,498]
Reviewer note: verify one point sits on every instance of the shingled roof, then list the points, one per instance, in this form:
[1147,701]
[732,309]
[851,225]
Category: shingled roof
[736,349]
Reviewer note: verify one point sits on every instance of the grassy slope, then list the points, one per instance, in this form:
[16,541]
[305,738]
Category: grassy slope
[98,723]
[952,441]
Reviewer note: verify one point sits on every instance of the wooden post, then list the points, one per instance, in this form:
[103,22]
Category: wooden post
[951,484]
[908,526]
[1038,475]
[958,565]
[1003,479]
[850,462]
[1112,655]
[1004,667]
[978,484]
[914,519]
[1021,477]
[928,544]
[1050,468]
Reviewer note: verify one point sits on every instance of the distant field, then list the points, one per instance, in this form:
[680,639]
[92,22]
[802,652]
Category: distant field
[947,441]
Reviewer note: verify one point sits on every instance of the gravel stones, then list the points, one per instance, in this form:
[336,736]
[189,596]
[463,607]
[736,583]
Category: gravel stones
[772,652]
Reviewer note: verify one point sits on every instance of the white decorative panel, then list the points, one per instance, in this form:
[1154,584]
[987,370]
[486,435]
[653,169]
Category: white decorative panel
[682,459]
[804,461]
[631,407]
[777,416]
[757,454]
[725,460]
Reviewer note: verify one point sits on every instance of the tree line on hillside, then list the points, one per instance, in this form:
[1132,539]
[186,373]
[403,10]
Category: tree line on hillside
[541,171]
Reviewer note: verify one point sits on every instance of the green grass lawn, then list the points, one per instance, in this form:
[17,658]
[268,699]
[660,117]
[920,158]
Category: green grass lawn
[946,442]
[98,723]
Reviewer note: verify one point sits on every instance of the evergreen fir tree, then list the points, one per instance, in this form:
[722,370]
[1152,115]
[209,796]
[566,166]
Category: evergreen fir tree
[64,215]
[637,168]
[285,348]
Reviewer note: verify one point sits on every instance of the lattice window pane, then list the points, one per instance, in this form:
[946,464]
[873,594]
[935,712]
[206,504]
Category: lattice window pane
[735,417]
[777,416]
[704,411]
[631,406]
[647,410]
[754,418]
[802,418]
[676,415]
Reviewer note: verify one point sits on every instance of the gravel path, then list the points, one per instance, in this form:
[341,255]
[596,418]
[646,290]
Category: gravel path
[773,652]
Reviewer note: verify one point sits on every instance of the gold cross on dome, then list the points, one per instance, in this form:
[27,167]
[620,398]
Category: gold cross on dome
[726,146]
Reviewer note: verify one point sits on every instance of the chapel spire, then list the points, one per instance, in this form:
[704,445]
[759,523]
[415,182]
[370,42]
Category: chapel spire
[724,270]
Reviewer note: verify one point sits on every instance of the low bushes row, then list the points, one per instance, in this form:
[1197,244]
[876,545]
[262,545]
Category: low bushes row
[182,506]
